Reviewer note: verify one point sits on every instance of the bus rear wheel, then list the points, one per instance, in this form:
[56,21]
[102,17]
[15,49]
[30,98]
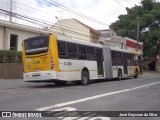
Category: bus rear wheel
[84,78]
[119,74]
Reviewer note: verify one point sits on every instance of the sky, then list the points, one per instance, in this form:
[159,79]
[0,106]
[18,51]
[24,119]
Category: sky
[105,11]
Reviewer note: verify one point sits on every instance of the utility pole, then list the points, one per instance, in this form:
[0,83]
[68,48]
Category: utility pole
[60,13]
[137,34]
[60,24]
[10,15]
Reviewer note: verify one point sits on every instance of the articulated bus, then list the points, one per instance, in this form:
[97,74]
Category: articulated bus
[60,59]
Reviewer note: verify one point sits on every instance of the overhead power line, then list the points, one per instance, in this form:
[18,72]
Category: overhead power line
[36,21]
[120,4]
[128,2]
[48,16]
[74,12]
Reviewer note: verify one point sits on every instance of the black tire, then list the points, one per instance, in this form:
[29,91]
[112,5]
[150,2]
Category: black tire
[119,74]
[84,78]
[136,74]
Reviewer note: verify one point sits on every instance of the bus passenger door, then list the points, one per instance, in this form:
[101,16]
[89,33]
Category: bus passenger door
[124,60]
[99,58]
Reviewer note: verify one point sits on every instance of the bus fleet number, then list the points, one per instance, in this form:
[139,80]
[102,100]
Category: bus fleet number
[67,63]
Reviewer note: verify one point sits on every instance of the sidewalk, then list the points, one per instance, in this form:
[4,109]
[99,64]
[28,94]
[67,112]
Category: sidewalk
[150,71]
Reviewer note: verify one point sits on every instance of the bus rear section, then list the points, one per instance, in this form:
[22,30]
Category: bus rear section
[121,63]
[38,60]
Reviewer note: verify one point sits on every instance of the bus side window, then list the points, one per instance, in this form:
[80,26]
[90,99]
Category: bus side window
[82,52]
[114,58]
[119,58]
[72,50]
[132,59]
[90,53]
[62,49]
[128,59]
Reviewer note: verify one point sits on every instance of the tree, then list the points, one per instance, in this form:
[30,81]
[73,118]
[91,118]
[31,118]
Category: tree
[148,16]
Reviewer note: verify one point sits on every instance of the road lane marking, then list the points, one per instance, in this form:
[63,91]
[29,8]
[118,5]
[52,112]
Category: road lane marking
[87,118]
[66,109]
[64,113]
[93,97]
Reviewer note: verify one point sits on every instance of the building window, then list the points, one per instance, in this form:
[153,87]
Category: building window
[13,42]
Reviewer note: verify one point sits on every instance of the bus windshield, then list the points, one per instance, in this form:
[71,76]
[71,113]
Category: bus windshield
[36,45]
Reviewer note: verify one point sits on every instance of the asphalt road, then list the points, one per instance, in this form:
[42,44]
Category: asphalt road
[141,94]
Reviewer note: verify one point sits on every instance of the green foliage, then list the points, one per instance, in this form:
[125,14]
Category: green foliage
[10,56]
[148,16]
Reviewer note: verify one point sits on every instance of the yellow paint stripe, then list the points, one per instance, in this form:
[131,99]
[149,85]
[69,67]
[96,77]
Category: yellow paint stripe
[76,71]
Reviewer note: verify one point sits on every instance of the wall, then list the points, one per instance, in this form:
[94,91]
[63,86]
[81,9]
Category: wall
[71,28]
[158,65]
[23,32]
[11,71]
[145,64]
[131,44]
[1,37]
[113,41]
[107,33]
[21,36]
[94,37]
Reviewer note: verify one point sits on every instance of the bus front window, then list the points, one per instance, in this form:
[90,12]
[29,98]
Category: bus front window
[36,45]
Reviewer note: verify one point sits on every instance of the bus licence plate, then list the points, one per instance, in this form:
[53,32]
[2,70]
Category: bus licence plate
[36,74]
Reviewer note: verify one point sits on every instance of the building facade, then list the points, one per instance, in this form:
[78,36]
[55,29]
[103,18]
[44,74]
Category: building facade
[109,37]
[75,29]
[131,44]
[107,34]
[12,35]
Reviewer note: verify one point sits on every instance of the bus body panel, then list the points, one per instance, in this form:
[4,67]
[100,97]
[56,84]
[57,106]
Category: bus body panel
[54,51]
[108,72]
[115,71]
[68,71]
[130,70]
[37,63]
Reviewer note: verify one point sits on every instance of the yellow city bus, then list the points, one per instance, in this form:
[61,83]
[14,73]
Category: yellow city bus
[59,59]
